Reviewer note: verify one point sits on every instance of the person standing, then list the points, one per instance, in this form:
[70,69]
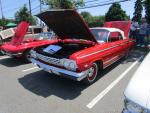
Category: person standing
[148,35]
[142,33]
[133,29]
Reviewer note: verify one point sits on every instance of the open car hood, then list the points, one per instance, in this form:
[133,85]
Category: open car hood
[67,24]
[20,33]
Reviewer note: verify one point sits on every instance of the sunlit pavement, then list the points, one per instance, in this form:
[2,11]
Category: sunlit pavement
[24,88]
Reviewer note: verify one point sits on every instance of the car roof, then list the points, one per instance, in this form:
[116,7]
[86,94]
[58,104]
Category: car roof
[110,30]
[35,27]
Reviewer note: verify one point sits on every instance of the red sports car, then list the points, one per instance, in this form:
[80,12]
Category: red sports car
[80,52]
[19,46]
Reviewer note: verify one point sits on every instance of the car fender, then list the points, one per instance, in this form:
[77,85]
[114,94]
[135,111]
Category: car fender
[86,65]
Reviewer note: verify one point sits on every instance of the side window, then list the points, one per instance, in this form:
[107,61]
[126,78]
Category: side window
[29,31]
[115,36]
[37,30]
[120,36]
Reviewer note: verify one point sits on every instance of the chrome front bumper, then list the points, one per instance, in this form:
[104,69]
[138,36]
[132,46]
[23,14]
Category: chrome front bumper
[62,72]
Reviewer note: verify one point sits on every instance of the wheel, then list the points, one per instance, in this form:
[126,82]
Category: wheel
[1,41]
[92,74]
[26,55]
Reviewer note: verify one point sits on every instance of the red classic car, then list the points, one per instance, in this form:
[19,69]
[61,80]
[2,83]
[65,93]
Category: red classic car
[19,46]
[80,52]
[7,34]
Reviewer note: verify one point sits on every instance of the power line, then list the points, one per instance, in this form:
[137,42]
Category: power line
[98,2]
[11,9]
[91,1]
[35,7]
[30,7]
[97,5]
[102,3]
[6,10]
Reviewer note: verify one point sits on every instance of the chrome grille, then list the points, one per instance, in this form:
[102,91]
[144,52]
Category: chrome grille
[48,59]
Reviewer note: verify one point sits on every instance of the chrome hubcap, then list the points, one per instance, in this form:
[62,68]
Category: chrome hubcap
[91,71]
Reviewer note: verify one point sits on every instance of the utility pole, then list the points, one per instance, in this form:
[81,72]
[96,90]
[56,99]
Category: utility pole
[40,6]
[1,9]
[30,7]
[40,11]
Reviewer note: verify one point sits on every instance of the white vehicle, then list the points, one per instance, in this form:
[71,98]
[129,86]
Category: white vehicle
[33,31]
[137,93]
[5,34]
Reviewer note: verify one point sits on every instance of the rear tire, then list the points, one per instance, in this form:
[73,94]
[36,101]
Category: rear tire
[92,74]
[1,41]
[26,55]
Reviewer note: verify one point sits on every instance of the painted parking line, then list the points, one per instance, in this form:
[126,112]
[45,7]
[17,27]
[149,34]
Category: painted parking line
[30,69]
[4,57]
[114,83]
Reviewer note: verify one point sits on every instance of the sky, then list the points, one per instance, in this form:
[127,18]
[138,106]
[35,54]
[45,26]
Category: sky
[11,6]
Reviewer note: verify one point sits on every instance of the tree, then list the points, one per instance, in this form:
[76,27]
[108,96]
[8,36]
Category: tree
[138,10]
[24,15]
[3,22]
[63,4]
[115,13]
[87,16]
[147,10]
[93,21]
[97,21]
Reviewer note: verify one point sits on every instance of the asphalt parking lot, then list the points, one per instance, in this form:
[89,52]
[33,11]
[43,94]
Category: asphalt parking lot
[24,88]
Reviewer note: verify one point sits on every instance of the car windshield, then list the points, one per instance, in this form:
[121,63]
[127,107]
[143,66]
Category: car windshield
[100,35]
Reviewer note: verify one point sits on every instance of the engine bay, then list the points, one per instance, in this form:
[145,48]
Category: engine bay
[61,50]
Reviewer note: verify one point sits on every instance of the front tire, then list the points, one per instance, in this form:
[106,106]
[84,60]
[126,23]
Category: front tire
[92,74]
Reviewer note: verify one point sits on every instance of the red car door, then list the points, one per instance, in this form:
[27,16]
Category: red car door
[116,50]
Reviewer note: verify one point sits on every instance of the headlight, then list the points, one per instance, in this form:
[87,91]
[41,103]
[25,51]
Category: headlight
[33,54]
[69,64]
[132,107]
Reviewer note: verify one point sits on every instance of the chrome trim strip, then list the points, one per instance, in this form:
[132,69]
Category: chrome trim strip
[112,62]
[97,52]
[104,49]
[107,61]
